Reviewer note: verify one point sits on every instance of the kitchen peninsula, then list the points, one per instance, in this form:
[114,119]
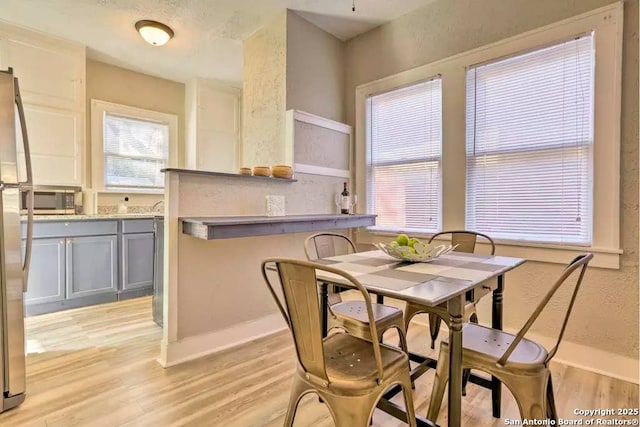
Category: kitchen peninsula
[218,235]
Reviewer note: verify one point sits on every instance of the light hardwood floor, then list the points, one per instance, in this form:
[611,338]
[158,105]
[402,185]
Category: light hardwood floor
[96,366]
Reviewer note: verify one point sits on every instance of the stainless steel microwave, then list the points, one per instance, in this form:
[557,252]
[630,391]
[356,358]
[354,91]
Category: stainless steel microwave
[51,201]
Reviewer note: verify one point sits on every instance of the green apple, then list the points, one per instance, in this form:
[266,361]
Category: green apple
[402,239]
[413,241]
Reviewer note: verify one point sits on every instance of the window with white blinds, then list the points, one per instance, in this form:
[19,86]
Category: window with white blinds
[135,150]
[530,145]
[404,141]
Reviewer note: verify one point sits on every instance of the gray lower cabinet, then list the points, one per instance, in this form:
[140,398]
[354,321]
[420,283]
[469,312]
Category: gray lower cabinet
[47,271]
[78,263]
[92,266]
[137,261]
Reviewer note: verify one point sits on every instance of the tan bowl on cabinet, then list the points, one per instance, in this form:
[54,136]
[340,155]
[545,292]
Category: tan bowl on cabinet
[282,171]
[261,171]
[245,171]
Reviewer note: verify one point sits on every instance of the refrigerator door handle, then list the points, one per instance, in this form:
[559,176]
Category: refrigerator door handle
[26,186]
[29,243]
[25,137]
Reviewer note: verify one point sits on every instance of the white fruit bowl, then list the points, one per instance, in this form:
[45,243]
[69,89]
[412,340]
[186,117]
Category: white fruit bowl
[423,251]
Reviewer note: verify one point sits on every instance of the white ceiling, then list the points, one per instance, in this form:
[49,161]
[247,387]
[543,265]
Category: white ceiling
[208,33]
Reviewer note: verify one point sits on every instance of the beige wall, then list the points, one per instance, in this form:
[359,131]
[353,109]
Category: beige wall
[263,95]
[315,69]
[114,84]
[606,315]
[288,64]
[215,296]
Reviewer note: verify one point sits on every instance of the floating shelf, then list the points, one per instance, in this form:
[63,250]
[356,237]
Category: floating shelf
[227,227]
[225,174]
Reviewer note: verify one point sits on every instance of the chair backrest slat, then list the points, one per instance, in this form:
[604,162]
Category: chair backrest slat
[325,245]
[466,240]
[301,309]
[301,296]
[580,262]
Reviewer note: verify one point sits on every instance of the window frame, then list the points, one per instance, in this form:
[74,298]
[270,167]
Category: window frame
[98,110]
[606,22]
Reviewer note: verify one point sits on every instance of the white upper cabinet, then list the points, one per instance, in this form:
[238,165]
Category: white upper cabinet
[54,159]
[213,126]
[51,74]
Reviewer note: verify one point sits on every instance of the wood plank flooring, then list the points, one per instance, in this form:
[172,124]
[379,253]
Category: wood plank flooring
[96,366]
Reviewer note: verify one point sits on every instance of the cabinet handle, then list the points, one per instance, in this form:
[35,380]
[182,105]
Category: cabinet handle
[66,224]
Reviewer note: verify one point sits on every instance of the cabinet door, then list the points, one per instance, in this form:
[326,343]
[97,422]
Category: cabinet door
[91,265]
[46,272]
[55,140]
[50,72]
[137,261]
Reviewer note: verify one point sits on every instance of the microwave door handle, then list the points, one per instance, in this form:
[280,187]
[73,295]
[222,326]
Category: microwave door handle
[25,136]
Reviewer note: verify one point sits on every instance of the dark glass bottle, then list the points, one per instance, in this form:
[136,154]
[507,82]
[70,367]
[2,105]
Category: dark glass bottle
[344,200]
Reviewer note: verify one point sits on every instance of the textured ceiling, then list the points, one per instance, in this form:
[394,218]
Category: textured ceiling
[208,33]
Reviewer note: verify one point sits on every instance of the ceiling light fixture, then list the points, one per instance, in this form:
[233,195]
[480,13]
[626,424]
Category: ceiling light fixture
[155,33]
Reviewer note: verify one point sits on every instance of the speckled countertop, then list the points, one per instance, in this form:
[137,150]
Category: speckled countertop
[148,215]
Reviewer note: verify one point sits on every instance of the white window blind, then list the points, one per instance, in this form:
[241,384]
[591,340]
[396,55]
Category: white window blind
[135,150]
[530,145]
[404,141]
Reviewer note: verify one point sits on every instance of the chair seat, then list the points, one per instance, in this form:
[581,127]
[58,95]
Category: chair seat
[492,343]
[358,310]
[350,362]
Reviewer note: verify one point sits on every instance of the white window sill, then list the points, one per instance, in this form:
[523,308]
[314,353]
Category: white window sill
[555,254]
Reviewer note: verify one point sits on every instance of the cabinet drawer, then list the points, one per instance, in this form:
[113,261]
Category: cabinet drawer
[137,226]
[72,228]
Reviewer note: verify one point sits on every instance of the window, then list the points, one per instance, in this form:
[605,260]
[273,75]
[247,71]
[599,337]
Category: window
[130,147]
[529,145]
[530,150]
[134,152]
[404,157]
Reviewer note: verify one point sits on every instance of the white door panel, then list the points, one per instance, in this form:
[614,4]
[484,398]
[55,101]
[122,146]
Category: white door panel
[55,170]
[48,74]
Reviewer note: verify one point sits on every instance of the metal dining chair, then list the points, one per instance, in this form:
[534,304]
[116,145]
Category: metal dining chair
[352,315]
[466,242]
[349,373]
[520,364]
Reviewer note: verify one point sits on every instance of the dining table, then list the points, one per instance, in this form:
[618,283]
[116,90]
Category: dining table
[446,279]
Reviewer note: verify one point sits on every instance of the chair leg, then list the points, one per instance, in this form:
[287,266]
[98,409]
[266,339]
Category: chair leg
[353,411]
[403,339]
[466,373]
[530,395]
[434,328]
[410,310]
[407,385]
[439,384]
[552,412]
[298,388]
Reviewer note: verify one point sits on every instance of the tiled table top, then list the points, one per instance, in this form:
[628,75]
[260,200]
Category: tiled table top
[428,283]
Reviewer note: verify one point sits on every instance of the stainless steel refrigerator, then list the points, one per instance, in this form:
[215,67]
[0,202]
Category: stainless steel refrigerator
[14,262]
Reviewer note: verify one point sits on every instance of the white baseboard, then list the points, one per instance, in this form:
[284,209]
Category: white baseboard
[174,353]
